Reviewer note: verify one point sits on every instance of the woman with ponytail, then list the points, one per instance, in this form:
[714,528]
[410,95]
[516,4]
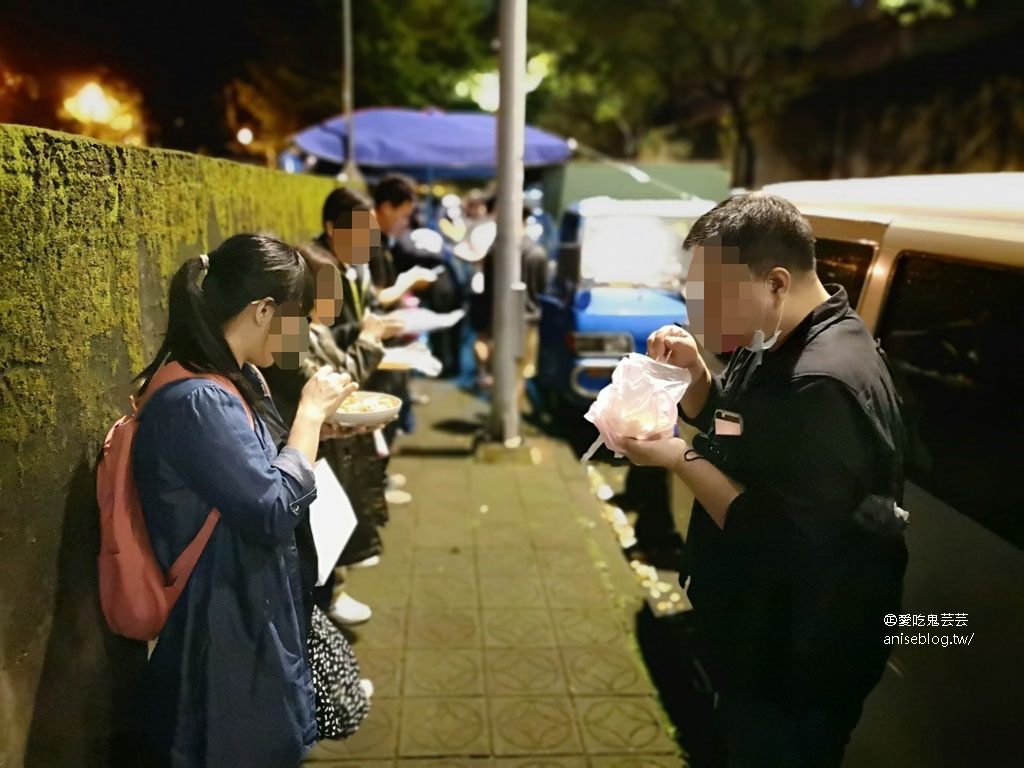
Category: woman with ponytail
[229,683]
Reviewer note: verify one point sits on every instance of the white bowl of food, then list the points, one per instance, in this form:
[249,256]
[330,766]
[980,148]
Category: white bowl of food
[363,409]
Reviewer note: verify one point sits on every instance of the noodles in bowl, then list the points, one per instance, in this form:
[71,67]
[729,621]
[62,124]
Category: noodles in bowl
[366,408]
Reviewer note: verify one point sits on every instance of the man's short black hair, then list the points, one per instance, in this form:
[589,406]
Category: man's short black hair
[394,188]
[768,230]
[344,200]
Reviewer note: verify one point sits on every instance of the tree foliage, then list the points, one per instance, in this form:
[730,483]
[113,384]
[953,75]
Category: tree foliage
[665,61]
[405,53]
[910,11]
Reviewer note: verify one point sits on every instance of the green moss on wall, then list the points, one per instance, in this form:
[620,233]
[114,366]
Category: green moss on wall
[74,214]
[90,234]
[32,404]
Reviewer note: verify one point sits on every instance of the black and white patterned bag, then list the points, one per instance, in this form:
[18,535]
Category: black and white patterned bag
[341,702]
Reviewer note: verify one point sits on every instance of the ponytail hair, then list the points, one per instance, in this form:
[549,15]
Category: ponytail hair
[206,293]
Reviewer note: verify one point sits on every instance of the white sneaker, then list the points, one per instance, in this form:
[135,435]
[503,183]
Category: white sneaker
[369,562]
[397,497]
[367,687]
[396,482]
[348,611]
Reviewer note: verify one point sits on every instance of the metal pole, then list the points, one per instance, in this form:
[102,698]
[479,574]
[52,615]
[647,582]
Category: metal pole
[351,170]
[508,310]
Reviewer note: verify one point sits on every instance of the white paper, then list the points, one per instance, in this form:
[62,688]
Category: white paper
[332,520]
[415,356]
[419,320]
[381,444]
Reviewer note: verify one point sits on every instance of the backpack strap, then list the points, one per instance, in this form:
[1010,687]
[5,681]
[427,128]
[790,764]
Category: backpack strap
[183,566]
[175,371]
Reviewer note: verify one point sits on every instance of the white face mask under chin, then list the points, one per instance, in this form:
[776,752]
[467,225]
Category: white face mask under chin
[759,343]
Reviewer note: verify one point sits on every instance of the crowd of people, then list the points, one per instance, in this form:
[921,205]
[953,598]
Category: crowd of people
[250,668]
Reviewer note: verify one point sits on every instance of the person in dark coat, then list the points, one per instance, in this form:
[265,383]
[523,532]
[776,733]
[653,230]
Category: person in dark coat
[795,544]
[229,681]
[394,199]
[353,460]
[534,274]
[424,248]
[350,216]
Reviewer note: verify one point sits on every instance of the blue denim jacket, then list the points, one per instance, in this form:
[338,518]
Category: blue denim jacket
[229,682]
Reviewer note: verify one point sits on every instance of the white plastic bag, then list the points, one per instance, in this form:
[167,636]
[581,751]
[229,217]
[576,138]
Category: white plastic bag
[639,403]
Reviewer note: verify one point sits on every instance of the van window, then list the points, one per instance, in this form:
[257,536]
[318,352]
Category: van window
[953,332]
[843,262]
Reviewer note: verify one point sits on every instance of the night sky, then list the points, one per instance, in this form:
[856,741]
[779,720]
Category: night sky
[179,55]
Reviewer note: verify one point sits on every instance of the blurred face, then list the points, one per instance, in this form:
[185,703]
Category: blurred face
[287,341]
[724,302]
[475,209]
[394,220]
[355,237]
[329,295]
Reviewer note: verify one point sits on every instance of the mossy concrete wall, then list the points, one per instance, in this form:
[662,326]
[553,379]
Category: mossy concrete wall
[90,234]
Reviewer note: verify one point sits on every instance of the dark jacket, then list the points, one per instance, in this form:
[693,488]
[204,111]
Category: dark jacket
[360,295]
[533,272]
[229,681]
[353,460]
[383,268]
[359,361]
[791,593]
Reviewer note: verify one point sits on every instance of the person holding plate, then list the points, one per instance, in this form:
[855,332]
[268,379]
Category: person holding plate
[350,453]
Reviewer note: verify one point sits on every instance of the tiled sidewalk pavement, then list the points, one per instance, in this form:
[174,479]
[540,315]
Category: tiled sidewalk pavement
[502,614]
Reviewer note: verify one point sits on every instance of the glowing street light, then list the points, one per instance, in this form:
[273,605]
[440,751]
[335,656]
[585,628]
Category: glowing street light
[91,105]
[244,136]
[110,113]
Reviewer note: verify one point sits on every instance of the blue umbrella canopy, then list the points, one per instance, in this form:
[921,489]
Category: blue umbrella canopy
[463,142]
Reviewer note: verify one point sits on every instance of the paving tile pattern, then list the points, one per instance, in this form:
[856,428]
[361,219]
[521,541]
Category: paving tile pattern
[501,627]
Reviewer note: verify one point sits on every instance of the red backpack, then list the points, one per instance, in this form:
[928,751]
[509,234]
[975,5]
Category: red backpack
[135,594]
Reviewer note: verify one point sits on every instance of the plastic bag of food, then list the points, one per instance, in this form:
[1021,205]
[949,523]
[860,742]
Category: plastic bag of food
[639,403]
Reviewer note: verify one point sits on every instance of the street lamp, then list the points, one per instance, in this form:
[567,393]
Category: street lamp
[245,136]
[102,115]
[91,105]
[350,173]
[509,292]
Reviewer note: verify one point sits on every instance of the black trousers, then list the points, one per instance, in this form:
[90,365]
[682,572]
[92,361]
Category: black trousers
[647,493]
[759,734]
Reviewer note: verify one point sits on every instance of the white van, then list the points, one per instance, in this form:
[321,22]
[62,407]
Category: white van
[935,267]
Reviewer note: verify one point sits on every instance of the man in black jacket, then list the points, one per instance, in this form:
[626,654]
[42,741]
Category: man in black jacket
[795,543]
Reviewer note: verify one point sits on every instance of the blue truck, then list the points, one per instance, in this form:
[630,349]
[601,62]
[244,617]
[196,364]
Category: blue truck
[619,270]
